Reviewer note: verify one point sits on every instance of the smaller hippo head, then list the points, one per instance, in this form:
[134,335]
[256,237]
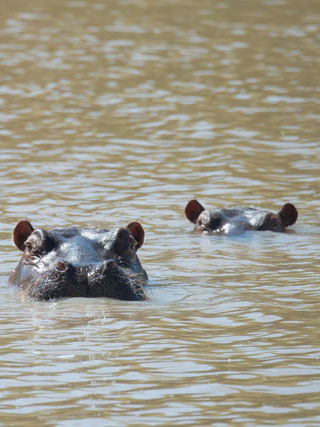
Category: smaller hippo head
[238,219]
[79,262]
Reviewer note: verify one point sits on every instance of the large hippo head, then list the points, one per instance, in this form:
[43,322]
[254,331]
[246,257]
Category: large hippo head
[79,262]
[236,220]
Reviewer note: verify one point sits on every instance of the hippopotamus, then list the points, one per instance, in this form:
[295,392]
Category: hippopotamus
[79,262]
[236,220]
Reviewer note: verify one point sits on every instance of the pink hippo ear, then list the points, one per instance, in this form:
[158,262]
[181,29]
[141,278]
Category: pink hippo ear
[288,214]
[137,232]
[193,210]
[21,232]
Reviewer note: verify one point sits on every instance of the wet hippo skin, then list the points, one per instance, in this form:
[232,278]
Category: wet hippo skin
[79,262]
[239,219]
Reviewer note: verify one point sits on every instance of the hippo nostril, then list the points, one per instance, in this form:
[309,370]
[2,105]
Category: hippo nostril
[61,266]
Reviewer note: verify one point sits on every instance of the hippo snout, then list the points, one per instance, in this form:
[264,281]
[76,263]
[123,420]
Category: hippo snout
[63,266]
[110,280]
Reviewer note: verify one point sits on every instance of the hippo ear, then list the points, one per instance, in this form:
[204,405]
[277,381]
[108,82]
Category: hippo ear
[21,232]
[137,232]
[288,214]
[193,210]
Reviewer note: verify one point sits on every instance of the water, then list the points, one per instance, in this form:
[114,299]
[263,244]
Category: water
[113,111]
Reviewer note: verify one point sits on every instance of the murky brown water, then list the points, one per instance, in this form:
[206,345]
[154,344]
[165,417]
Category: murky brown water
[112,111]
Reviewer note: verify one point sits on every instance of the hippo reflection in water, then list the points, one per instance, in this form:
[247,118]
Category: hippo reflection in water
[79,262]
[239,219]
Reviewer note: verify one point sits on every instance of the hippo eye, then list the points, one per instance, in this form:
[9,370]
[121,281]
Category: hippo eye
[37,248]
[39,243]
[274,222]
[31,250]
[202,225]
[133,246]
[28,247]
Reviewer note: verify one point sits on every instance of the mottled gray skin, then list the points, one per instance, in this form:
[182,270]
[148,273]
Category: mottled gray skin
[79,262]
[239,219]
